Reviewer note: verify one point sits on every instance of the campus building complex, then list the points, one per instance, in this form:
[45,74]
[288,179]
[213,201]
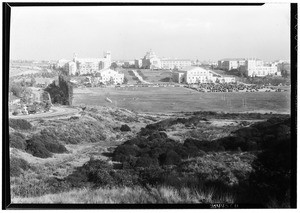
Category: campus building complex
[151,61]
[251,67]
[81,66]
[194,75]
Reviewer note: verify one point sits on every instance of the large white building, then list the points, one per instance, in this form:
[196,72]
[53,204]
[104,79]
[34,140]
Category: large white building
[175,63]
[193,75]
[231,63]
[256,67]
[109,76]
[251,67]
[151,61]
[81,66]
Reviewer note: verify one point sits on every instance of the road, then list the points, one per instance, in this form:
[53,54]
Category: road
[54,112]
[140,77]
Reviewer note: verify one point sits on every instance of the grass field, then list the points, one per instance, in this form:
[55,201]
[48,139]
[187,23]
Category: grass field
[173,99]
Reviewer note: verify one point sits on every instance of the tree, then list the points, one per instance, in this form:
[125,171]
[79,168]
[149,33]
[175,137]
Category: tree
[114,66]
[16,89]
[284,73]
[125,81]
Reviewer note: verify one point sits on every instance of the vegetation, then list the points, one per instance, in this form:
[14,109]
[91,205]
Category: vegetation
[63,93]
[17,166]
[248,162]
[20,124]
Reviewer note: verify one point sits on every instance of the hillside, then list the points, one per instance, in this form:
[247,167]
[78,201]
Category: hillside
[200,157]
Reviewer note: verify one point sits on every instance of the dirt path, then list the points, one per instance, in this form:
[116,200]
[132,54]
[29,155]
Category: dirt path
[140,77]
[54,112]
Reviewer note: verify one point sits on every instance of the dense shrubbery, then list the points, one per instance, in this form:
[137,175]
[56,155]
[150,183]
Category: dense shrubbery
[100,173]
[20,124]
[17,140]
[125,128]
[44,144]
[17,165]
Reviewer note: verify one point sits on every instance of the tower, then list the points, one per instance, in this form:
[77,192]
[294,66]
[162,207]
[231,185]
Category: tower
[74,57]
[107,55]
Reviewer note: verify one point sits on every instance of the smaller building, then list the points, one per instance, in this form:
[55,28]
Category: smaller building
[109,76]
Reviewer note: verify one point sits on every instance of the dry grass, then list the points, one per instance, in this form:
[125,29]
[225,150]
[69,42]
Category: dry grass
[130,195]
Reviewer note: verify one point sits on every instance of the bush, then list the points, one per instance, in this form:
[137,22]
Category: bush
[170,158]
[20,124]
[272,172]
[17,165]
[49,141]
[17,140]
[125,128]
[123,152]
[203,145]
[233,143]
[37,148]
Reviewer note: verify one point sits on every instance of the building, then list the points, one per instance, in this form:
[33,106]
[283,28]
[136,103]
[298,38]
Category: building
[81,66]
[231,63]
[151,61]
[109,76]
[175,63]
[138,63]
[256,67]
[194,75]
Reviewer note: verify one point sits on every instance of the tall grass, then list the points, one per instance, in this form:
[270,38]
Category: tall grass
[158,195]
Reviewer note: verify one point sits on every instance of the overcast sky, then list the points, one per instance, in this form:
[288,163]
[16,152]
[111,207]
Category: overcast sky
[189,32]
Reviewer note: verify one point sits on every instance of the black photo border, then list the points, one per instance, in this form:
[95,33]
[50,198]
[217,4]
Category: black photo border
[6,196]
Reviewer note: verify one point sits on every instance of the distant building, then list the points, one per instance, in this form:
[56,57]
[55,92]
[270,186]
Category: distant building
[175,63]
[231,63]
[151,61]
[256,67]
[138,63]
[193,75]
[251,67]
[107,76]
[81,66]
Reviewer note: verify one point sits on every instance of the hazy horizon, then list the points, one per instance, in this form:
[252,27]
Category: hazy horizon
[190,32]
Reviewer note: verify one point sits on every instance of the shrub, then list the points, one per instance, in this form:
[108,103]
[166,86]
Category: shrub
[20,124]
[203,145]
[37,148]
[49,141]
[125,128]
[170,158]
[17,165]
[123,152]
[272,171]
[233,143]
[146,161]
[17,140]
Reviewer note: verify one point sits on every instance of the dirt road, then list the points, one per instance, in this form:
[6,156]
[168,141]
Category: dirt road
[55,111]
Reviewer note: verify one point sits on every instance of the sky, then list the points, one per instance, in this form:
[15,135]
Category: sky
[186,32]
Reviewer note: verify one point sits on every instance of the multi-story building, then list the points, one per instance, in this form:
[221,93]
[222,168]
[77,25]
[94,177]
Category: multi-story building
[151,61]
[175,63]
[193,75]
[231,63]
[83,66]
[256,67]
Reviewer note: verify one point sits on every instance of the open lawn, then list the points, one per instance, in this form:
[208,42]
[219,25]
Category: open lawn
[175,99]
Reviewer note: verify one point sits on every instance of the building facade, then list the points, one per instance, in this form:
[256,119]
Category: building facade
[256,67]
[81,66]
[231,63]
[109,76]
[194,75]
[175,63]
